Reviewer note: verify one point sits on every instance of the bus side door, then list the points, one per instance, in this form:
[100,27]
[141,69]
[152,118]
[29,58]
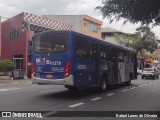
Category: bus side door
[94,62]
[114,65]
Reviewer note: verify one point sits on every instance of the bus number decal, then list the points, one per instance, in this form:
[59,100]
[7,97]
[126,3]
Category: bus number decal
[82,67]
[55,63]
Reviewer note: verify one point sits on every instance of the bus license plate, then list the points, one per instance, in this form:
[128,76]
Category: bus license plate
[49,76]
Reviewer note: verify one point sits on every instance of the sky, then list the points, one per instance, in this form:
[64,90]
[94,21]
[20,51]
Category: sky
[10,8]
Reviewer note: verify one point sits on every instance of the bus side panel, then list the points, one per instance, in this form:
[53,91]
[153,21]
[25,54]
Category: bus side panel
[82,73]
[105,70]
[81,68]
[135,66]
[129,68]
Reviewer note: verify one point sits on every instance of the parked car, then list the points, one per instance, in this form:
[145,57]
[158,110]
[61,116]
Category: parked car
[139,72]
[158,70]
[150,73]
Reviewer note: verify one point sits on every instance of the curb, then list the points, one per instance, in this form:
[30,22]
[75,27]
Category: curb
[14,82]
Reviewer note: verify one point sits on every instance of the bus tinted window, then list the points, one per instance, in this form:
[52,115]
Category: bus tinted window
[131,58]
[82,47]
[126,56]
[104,52]
[55,43]
[113,55]
[120,56]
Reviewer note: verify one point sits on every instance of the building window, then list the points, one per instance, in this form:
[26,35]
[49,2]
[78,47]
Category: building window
[18,61]
[14,34]
[92,27]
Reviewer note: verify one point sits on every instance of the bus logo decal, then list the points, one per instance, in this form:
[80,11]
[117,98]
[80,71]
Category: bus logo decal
[40,61]
[47,62]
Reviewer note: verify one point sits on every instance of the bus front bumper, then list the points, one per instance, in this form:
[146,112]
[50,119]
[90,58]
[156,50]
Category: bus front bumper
[65,81]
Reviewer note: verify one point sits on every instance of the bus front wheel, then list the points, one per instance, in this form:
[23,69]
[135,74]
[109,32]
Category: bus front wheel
[130,78]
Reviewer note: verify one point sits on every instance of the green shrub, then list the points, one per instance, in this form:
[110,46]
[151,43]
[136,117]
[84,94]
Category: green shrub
[6,66]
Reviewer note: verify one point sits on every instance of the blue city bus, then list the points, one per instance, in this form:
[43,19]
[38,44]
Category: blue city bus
[79,61]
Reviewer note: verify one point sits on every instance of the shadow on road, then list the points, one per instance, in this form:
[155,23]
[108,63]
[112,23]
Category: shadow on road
[77,94]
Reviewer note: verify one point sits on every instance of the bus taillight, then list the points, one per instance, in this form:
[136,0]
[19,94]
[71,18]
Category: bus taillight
[33,69]
[67,69]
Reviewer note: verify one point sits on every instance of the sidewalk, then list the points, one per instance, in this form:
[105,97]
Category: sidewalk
[15,82]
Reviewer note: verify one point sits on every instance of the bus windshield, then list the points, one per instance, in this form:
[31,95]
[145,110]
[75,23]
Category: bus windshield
[50,42]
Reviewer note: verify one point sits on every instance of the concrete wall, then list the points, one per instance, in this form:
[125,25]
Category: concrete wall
[2,19]
[74,20]
[87,20]
[79,23]
[111,39]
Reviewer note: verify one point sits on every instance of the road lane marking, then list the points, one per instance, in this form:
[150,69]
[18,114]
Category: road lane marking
[142,85]
[45,91]
[97,98]
[2,90]
[124,90]
[110,94]
[76,105]
[133,88]
[48,114]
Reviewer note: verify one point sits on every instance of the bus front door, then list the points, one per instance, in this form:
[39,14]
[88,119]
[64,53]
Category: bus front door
[94,59]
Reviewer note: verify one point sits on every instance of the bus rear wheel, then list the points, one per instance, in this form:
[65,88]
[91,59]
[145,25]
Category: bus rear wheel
[103,85]
[129,82]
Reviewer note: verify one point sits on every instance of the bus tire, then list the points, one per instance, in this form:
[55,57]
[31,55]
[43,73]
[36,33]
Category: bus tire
[103,84]
[130,78]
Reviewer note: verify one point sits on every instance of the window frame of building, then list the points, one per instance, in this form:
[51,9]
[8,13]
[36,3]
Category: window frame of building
[92,27]
[18,61]
[13,34]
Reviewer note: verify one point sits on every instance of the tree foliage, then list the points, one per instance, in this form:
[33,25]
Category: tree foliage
[143,39]
[144,11]
[130,41]
[6,66]
[148,39]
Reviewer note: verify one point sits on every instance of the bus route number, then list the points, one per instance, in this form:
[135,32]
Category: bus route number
[82,67]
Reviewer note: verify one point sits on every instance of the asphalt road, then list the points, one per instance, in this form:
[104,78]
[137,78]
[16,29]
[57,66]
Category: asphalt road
[141,95]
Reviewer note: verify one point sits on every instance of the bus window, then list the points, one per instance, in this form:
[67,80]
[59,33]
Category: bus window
[113,55]
[120,56]
[54,43]
[104,52]
[126,56]
[81,47]
[131,58]
[108,55]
